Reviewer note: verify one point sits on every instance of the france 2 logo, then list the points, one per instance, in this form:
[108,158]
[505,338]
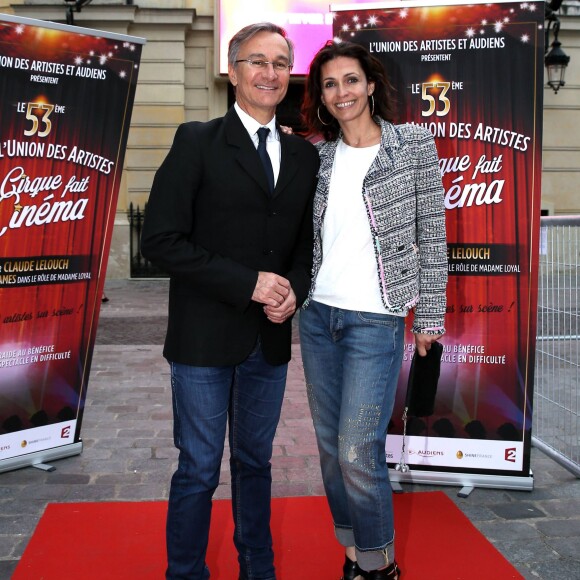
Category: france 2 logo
[510,454]
[65,432]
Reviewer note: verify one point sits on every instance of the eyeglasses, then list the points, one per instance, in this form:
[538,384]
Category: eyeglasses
[279,66]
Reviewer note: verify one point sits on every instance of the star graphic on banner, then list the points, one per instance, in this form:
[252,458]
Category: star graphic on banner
[18,207]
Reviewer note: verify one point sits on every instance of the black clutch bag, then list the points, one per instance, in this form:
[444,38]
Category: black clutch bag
[422,384]
[421,391]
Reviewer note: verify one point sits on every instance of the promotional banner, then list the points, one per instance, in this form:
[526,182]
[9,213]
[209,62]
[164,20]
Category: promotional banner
[66,96]
[472,74]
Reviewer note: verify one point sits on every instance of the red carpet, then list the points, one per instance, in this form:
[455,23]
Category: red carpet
[99,541]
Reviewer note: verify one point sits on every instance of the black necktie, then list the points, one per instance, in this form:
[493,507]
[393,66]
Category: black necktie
[263,153]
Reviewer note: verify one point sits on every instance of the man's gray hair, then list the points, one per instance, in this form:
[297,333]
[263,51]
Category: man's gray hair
[251,30]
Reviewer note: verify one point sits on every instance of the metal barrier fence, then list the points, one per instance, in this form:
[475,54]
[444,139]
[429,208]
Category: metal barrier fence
[555,424]
[140,267]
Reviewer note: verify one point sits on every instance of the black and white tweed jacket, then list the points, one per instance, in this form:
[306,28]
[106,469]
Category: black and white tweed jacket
[404,199]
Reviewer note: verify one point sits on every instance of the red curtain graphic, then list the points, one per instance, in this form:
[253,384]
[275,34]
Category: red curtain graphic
[472,74]
[65,107]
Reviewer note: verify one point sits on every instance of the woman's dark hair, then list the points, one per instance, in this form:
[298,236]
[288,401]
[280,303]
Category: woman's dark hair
[312,107]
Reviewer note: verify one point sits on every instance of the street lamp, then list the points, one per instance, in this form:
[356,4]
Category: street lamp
[556,60]
[74,6]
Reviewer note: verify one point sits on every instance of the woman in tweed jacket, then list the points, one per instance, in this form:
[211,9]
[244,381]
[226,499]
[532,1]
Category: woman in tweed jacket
[379,252]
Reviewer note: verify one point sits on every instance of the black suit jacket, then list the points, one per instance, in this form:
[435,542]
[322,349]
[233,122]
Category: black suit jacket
[212,226]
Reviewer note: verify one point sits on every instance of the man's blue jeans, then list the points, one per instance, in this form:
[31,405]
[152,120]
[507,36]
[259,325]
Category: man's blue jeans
[248,398]
[352,362]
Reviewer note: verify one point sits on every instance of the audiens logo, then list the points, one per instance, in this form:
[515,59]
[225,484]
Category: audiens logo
[510,454]
[65,432]
[426,453]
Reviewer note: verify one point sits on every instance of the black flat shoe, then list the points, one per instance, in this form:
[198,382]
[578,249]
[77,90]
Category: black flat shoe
[392,572]
[350,570]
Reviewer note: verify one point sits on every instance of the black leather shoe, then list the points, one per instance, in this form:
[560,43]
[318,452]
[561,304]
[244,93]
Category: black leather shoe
[350,570]
[392,572]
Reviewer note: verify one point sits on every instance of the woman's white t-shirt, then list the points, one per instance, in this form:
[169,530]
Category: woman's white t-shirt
[348,275]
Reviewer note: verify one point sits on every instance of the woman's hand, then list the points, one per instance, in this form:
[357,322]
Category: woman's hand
[423,342]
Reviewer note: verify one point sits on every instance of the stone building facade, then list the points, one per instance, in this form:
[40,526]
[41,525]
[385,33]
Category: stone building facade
[178,82]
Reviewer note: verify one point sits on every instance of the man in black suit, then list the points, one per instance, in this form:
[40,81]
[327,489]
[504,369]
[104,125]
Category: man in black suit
[230,220]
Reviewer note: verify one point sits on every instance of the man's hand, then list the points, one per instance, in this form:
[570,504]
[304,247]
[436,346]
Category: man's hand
[271,289]
[279,314]
[423,342]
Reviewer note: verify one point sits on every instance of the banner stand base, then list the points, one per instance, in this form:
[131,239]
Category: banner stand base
[467,481]
[41,458]
[44,466]
[465,491]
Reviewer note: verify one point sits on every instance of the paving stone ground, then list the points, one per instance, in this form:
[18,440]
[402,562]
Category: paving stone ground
[128,452]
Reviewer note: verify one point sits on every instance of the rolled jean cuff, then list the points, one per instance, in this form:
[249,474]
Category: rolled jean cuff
[372,559]
[345,536]
[375,559]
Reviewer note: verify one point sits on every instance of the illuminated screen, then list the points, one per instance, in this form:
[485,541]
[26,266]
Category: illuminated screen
[307,22]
